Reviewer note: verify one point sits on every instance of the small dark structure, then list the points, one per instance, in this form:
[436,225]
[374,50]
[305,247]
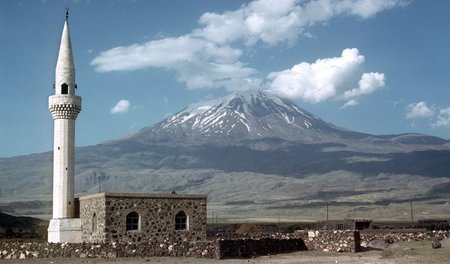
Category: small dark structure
[434,224]
[346,224]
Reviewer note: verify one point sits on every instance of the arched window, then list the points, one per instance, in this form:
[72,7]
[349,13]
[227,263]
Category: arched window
[94,223]
[64,88]
[181,221]
[133,221]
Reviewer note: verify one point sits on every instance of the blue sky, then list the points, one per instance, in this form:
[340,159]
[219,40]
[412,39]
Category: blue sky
[374,66]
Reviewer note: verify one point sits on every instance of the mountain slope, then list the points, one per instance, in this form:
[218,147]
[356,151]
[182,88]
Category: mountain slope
[251,149]
[243,116]
[248,117]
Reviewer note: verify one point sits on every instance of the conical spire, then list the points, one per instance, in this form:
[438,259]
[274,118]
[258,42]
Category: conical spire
[65,69]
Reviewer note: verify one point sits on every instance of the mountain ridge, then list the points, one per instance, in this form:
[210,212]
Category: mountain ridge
[257,115]
[242,116]
[301,157]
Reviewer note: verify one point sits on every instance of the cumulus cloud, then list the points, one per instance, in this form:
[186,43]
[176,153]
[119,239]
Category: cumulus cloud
[368,84]
[166,53]
[350,103]
[418,110]
[266,20]
[274,21]
[443,118]
[121,107]
[328,78]
[437,116]
[197,62]
[366,8]
[208,57]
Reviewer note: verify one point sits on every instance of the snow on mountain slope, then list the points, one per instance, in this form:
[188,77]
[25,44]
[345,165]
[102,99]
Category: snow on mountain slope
[259,118]
[243,116]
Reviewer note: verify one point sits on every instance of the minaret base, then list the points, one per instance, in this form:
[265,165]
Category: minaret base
[64,230]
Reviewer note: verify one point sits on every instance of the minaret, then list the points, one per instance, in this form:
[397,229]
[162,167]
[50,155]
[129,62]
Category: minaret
[64,106]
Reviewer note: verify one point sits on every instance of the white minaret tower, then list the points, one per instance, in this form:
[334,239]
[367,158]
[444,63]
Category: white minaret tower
[64,106]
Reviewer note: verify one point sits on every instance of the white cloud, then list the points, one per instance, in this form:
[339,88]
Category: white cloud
[270,21]
[351,102]
[369,83]
[274,21]
[121,107]
[197,62]
[208,57]
[436,116]
[443,118]
[418,110]
[328,78]
[166,53]
[366,8]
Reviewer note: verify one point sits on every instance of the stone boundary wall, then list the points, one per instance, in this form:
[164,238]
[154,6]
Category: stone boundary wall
[354,241]
[220,248]
[319,240]
[327,240]
[391,236]
[199,249]
[246,248]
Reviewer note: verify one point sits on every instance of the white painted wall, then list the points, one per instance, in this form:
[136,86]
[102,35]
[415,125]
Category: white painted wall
[63,168]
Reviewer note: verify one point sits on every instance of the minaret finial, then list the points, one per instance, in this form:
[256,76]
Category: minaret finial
[67,13]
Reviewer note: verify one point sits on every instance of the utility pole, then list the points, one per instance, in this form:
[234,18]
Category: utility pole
[327,210]
[99,182]
[412,214]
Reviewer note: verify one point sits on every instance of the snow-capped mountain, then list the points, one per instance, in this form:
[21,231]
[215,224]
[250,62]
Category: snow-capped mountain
[241,116]
[253,149]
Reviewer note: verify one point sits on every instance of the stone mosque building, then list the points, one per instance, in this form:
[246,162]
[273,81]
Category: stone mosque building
[107,217]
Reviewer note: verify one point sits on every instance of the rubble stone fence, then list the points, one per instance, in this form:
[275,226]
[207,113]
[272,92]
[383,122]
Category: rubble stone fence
[244,247]
[199,249]
[331,240]
[392,236]
[220,248]
[355,241]
[250,247]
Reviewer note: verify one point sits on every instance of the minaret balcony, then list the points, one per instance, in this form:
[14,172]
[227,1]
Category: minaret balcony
[64,106]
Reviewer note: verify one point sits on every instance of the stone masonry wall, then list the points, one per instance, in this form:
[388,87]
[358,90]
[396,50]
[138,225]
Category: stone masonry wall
[197,249]
[93,232]
[391,236]
[219,249]
[340,241]
[354,241]
[325,240]
[246,248]
[156,212]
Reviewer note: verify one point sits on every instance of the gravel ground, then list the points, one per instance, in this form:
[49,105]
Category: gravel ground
[398,253]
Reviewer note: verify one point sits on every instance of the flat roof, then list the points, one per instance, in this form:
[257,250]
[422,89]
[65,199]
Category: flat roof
[144,195]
